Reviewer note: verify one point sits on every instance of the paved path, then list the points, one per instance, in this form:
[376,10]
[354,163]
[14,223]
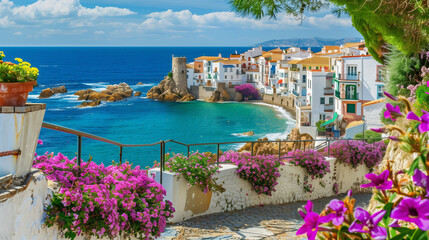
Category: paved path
[260,222]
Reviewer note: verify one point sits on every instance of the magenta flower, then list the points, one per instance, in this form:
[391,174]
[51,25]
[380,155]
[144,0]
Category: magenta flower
[424,120]
[379,130]
[308,208]
[392,112]
[380,182]
[390,96]
[311,225]
[393,138]
[40,142]
[339,209]
[420,179]
[413,210]
[365,223]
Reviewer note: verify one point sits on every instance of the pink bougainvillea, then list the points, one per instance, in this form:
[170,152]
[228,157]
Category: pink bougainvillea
[100,201]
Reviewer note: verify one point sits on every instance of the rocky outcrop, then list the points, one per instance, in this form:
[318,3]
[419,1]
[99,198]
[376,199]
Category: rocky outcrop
[167,91]
[262,147]
[139,83]
[61,89]
[249,133]
[137,93]
[187,98]
[112,93]
[90,104]
[46,93]
[219,95]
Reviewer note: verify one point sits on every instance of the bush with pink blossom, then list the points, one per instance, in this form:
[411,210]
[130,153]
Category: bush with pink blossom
[310,160]
[94,200]
[355,153]
[260,171]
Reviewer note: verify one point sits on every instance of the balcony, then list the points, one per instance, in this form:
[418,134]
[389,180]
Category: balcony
[328,91]
[295,69]
[352,77]
[328,108]
[346,96]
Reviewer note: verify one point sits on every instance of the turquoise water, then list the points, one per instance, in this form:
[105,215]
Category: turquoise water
[137,120]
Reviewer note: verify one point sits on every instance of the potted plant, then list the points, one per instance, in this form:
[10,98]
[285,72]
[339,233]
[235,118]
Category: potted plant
[16,81]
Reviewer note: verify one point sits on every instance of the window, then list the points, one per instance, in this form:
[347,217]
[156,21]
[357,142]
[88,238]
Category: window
[380,89]
[317,68]
[331,100]
[322,100]
[351,70]
[309,68]
[304,68]
[380,73]
[351,108]
[304,78]
[226,77]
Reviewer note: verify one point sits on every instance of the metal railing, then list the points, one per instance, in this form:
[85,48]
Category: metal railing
[305,146]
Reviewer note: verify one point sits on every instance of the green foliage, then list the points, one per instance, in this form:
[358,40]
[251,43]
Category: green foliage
[422,98]
[170,75]
[262,8]
[196,169]
[319,125]
[370,136]
[402,71]
[21,72]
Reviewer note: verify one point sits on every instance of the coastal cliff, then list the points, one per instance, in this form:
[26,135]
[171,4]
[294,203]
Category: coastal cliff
[169,92]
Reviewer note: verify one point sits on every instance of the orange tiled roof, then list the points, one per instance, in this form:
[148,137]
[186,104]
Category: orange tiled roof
[230,62]
[331,48]
[315,61]
[356,56]
[349,45]
[235,56]
[207,58]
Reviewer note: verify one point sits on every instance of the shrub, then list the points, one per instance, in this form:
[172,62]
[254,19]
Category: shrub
[247,90]
[21,72]
[370,136]
[355,153]
[100,201]
[260,171]
[319,125]
[170,75]
[310,160]
[196,170]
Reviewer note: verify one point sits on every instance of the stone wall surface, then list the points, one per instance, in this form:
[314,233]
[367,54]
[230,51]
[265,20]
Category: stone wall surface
[283,101]
[191,202]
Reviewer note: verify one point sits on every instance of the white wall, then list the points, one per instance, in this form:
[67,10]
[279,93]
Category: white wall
[191,202]
[372,115]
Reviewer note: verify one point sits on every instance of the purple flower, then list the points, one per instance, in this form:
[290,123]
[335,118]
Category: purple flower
[421,180]
[365,223]
[339,209]
[424,120]
[308,208]
[393,138]
[390,96]
[350,193]
[311,225]
[380,182]
[394,224]
[379,130]
[392,112]
[40,142]
[413,210]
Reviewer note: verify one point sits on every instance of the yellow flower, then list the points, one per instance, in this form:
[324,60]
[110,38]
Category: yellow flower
[18,60]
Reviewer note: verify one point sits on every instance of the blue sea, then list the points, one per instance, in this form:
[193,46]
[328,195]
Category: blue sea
[137,120]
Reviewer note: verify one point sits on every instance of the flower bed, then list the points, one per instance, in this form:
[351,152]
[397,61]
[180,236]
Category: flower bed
[100,201]
[310,160]
[354,153]
[260,171]
[196,170]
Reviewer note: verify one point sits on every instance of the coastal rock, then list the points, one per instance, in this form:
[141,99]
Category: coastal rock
[215,97]
[224,96]
[112,93]
[261,147]
[139,83]
[238,97]
[46,93]
[249,133]
[61,89]
[187,98]
[167,91]
[90,104]
[137,93]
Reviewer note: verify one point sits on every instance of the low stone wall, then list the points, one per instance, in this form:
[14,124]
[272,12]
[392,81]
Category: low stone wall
[22,214]
[201,92]
[283,101]
[191,201]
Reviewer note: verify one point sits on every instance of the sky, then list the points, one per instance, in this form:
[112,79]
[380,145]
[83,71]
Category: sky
[153,23]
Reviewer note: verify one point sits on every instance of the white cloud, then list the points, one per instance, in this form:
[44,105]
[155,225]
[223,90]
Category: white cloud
[99,32]
[17,33]
[185,20]
[54,11]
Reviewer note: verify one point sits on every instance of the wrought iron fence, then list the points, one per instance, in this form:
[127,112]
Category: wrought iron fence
[324,144]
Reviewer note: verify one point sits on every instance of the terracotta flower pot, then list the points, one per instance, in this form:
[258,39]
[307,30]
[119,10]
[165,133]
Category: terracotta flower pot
[15,93]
